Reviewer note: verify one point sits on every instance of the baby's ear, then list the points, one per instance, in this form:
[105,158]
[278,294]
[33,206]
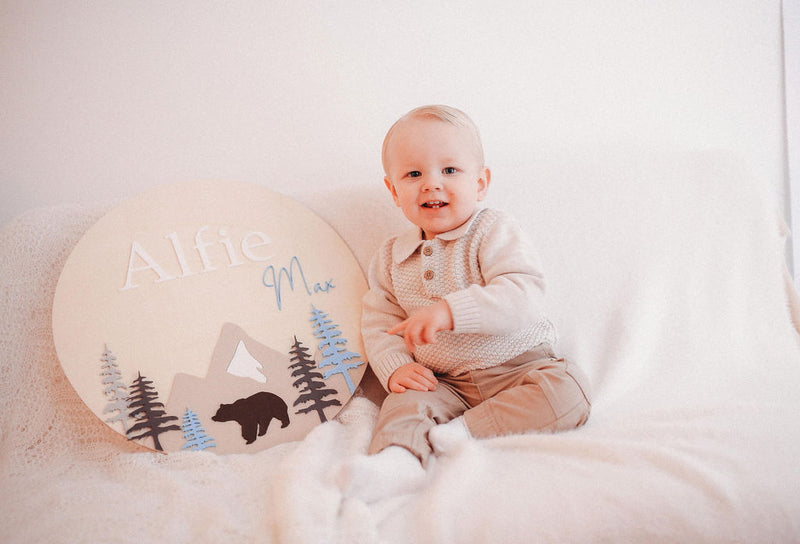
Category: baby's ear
[390,186]
[483,183]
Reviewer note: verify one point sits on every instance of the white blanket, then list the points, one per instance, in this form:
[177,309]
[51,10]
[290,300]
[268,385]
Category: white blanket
[666,285]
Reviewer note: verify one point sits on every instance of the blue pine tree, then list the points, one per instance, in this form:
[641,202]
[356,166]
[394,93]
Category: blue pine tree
[334,348]
[194,433]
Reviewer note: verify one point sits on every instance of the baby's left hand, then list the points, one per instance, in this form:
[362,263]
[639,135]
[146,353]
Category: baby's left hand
[421,328]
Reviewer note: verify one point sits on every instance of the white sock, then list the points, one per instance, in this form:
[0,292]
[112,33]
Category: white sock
[447,437]
[391,472]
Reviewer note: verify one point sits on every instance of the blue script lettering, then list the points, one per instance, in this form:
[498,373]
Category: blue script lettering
[318,288]
[273,279]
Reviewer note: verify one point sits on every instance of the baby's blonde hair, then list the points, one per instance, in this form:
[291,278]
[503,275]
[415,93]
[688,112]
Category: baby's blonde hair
[446,114]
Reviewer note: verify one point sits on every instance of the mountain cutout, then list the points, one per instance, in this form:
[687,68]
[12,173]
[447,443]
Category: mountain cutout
[244,365]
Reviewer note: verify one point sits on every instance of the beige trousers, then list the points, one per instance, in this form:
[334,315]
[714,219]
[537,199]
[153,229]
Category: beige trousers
[532,392]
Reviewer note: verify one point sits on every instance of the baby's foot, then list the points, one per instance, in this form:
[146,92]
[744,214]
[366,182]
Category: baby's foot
[394,471]
[447,437]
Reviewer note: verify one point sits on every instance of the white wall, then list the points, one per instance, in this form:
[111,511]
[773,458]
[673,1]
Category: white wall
[101,100]
[791,44]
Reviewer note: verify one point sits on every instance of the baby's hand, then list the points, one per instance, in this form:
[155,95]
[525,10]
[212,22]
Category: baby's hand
[421,328]
[412,376]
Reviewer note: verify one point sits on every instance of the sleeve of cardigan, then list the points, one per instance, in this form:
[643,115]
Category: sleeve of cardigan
[380,312]
[512,296]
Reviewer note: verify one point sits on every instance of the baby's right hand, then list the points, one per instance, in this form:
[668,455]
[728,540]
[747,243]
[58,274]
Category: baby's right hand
[412,376]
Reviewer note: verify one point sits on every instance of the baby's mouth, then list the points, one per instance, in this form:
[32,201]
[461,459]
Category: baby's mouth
[434,204]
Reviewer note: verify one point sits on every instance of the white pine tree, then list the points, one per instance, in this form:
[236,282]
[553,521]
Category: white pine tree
[115,390]
[194,433]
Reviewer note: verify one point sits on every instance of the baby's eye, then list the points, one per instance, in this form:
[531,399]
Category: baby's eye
[414,174]
[450,170]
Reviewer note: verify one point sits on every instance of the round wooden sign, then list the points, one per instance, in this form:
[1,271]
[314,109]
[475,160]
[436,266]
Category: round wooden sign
[211,316]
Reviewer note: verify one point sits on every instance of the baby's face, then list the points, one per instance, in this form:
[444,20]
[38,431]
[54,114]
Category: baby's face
[434,174]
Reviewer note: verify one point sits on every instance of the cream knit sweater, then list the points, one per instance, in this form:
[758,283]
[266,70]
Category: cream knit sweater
[487,273]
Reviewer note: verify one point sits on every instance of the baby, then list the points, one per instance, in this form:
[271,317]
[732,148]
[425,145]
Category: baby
[452,324]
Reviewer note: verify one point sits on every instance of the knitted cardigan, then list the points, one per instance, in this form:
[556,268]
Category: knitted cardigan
[487,273]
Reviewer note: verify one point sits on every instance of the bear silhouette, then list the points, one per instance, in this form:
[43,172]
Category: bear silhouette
[254,414]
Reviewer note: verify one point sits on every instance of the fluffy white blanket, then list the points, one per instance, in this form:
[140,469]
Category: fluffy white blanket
[666,285]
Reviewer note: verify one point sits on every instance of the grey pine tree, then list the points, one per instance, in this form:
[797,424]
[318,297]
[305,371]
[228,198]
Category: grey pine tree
[313,389]
[116,391]
[334,348]
[150,415]
[194,433]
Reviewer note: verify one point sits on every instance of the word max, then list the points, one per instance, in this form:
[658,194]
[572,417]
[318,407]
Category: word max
[273,279]
[251,247]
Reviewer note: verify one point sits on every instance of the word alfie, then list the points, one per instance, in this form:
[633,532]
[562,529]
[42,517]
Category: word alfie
[213,249]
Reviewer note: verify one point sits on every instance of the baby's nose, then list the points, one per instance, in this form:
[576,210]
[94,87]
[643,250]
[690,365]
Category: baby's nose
[432,183]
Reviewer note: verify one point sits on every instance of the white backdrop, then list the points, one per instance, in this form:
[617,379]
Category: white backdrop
[791,46]
[101,100]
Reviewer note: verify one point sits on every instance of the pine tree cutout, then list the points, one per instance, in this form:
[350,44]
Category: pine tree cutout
[194,433]
[334,350]
[149,413]
[313,390]
[116,391]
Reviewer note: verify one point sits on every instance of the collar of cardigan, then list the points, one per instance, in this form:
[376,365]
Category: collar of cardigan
[409,241]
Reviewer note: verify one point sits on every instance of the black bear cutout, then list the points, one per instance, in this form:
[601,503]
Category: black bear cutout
[254,414]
